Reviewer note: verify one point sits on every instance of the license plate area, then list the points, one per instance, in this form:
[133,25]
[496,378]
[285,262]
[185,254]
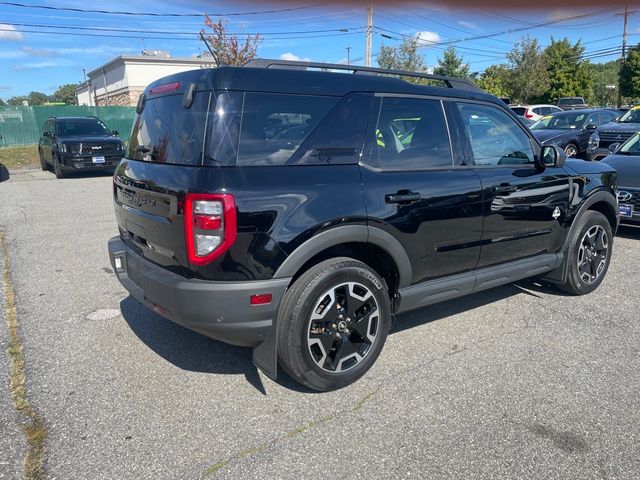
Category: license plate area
[98,159]
[626,210]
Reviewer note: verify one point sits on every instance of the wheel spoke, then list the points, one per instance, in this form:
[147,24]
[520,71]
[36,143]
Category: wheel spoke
[343,349]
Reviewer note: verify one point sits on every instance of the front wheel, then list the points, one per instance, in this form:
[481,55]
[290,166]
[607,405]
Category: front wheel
[333,323]
[571,150]
[57,167]
[589,253]
[43,163]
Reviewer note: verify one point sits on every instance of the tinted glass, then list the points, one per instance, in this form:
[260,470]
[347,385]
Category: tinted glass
[606,117]
[495,138]
[520,111]
[89,126]
[593,119]
[224,120]
[167,132]
[273,125]
[411,134]
[631,147]
[562,121]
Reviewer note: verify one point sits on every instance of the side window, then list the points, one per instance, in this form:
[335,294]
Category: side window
[605,117]
[47,126]
[494,137]
[273,126]
[411,134]
[593,118]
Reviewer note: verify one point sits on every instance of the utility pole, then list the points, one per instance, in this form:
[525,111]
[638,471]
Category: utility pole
[348,55]
[624,53]
[367,49]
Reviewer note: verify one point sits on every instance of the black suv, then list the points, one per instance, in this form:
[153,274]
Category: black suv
[78,143]
[295,209]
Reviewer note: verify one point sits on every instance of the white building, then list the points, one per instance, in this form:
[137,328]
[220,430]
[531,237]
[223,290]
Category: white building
[122,80]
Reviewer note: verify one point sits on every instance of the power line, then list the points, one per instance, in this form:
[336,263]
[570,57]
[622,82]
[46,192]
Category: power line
[115,12]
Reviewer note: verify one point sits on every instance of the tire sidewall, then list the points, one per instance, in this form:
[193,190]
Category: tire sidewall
[298,360]
[588,220]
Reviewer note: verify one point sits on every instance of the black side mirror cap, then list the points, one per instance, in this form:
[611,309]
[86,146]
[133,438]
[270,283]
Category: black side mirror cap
[590,126]
[553,156]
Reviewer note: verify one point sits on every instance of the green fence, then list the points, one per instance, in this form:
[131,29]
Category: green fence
[22,125]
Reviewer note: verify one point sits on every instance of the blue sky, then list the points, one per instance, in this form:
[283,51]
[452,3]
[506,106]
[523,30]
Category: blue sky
[35,55]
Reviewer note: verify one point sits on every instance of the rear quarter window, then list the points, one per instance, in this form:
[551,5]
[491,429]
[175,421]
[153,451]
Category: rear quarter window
[520,111]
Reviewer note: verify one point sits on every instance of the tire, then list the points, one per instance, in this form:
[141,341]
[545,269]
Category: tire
[571,150]
[43,163]
[311,334]
[589,253]
[57,168]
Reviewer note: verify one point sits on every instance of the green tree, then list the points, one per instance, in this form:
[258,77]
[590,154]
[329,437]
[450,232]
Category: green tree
[66,93]
[605,76]
[17,101]
[2,103]
[494,80]
[568,73]
[229,48]
[451,65]
[404,57]
[630,74]
[37,98]
[528,78]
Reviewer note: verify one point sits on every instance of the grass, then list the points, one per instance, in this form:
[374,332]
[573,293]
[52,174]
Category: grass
[25,156]
[31,422]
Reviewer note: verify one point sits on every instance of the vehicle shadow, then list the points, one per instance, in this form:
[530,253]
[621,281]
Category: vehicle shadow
[632,233]
[194,352]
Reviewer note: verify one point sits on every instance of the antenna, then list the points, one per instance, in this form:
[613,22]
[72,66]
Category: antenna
[213,55]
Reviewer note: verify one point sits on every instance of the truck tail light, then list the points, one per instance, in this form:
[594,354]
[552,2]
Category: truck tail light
[210,226]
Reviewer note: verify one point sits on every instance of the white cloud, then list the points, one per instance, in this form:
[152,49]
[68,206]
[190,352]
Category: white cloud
[469,25]
[43,64]
[294,57]
[9,32]
[427,38]
[39,52]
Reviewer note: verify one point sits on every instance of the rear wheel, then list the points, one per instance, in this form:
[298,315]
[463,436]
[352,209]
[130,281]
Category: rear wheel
[333,323]
[57,167]
[589,253]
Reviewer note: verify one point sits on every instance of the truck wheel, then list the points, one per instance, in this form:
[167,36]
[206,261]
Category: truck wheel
[333,323]
[589,253]
[57,168]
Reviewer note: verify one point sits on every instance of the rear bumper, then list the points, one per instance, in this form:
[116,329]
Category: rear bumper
[220,310]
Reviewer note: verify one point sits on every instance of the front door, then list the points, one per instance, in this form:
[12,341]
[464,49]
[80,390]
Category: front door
[524,203]
[414,190]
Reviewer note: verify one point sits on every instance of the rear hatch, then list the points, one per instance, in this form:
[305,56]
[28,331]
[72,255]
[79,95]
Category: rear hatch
[164,156]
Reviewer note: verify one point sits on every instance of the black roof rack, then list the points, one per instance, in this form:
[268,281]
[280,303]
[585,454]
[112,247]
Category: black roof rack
[450,82]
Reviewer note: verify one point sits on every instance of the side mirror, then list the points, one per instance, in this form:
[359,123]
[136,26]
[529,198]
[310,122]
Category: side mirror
[4,173]
[613,148]
[590,126]
[553,156]
[115,132]
[46,134]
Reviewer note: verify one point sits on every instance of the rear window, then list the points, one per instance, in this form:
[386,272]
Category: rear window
[167,132]
[520,111]
[80,127]
[571,101]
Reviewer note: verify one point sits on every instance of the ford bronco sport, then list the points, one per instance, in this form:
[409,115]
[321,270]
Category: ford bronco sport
[296,209]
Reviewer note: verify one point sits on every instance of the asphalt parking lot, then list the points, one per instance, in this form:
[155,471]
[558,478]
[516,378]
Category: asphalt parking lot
[518,382]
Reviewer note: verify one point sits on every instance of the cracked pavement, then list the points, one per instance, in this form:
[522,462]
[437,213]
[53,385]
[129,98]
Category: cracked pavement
[516,382]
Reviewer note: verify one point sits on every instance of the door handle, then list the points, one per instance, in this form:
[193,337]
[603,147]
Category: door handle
[505,189]
[404,197]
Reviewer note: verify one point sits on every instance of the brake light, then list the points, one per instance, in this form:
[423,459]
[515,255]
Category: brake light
[210,226]
[167,87]
[528,114]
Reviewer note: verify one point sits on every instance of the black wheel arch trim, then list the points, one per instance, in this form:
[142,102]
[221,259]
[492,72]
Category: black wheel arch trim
[559,275]
[348,234]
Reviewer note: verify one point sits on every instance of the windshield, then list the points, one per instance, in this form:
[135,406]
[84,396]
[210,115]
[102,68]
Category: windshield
[560,121]
[81,127]
[632,116]
[631,146]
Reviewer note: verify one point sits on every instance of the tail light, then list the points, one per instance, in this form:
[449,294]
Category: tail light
[210,226]
[528,114]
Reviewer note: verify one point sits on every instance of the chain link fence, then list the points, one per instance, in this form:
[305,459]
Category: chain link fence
[22,125]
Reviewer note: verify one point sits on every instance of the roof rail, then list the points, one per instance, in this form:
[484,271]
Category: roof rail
[450,82]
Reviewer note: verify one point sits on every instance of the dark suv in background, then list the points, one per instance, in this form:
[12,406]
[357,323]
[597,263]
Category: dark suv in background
[71,144]
[296,211]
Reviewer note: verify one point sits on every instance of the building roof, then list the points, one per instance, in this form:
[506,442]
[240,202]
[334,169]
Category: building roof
[151,59]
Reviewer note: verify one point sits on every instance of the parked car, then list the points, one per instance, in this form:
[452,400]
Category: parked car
[571,130]
[572,103]
[305,248]
[534,112]
[618,131]
[625,159]
[72,144]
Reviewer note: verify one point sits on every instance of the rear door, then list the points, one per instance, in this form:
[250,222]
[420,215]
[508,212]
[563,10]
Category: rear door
[417,191]
[524,204]
[46,141]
